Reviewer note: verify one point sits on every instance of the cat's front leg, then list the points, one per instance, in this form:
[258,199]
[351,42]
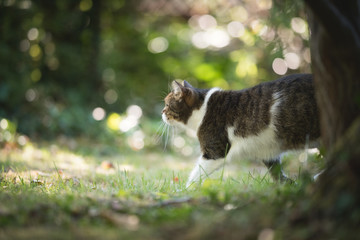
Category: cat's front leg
[203,168]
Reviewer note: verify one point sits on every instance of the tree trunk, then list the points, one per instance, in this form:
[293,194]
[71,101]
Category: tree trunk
[335,49]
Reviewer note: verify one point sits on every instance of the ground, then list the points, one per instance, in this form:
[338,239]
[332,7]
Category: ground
[73,188]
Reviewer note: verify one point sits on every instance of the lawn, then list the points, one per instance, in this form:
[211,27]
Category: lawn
[78,189]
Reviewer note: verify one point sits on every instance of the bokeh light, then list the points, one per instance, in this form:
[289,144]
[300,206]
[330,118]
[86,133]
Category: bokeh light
[33,34]
[35,52]
[187,150]
[246,66]
[298,25]
[98,114]
[35,75]
[30,95]
[217,38]
[4,124]
[109,75]
[25,4]
[235,29]
[158,45]
[110,96]
[286,35]
[264,4]
[24,45]
[128,123]
[113,121]
[267,34]
[292,60]
[248,38]
[136,140]
[7,136]
[206,22]
[257,27]
[134,113]
[22,140]
[53,63]
[279,66]
[194,22]
[179,142]
[239,13]
[199,40]
[85,5]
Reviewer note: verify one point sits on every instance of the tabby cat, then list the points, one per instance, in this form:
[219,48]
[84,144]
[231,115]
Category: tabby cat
[257,123]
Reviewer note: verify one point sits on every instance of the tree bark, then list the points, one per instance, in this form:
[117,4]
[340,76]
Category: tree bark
[335,50]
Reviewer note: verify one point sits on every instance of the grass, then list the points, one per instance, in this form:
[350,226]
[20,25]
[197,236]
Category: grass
[50,192]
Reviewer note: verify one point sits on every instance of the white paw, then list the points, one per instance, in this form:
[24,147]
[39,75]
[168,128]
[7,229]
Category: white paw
[202,170]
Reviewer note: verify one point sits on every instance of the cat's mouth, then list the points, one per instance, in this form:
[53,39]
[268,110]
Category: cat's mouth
[165,119]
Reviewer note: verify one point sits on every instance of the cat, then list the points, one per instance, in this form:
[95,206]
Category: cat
[257,123]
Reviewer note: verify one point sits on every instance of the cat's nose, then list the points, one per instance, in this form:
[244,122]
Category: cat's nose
[163,110]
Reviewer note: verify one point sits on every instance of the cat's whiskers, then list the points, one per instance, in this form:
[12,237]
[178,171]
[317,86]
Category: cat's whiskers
[166,132]
[159,133]
[173,134]
[170,133]
[162,134]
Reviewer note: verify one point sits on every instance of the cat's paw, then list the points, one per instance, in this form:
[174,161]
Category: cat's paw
[193,181]
[191,185]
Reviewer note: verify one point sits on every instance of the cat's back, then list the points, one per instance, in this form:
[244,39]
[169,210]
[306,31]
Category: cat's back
[298,84]
[286,104]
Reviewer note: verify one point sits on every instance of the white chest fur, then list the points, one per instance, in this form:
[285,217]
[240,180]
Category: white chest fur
[197,116]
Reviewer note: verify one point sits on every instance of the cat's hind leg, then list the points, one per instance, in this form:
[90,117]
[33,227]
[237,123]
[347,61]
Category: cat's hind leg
[276,171]
[203,168]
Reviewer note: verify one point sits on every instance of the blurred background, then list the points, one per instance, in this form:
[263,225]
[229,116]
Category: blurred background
[100,69]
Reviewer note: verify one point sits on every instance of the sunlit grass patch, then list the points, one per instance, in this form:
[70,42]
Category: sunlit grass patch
[130,193]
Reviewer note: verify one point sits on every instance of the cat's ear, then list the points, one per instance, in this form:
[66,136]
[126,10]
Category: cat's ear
[186,84]
[186,92]
[177,88]
[190,96]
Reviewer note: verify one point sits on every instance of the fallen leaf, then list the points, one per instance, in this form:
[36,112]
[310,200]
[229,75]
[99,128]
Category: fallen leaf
[107,165]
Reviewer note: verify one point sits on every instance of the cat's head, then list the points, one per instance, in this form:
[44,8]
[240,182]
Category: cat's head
[180,103]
